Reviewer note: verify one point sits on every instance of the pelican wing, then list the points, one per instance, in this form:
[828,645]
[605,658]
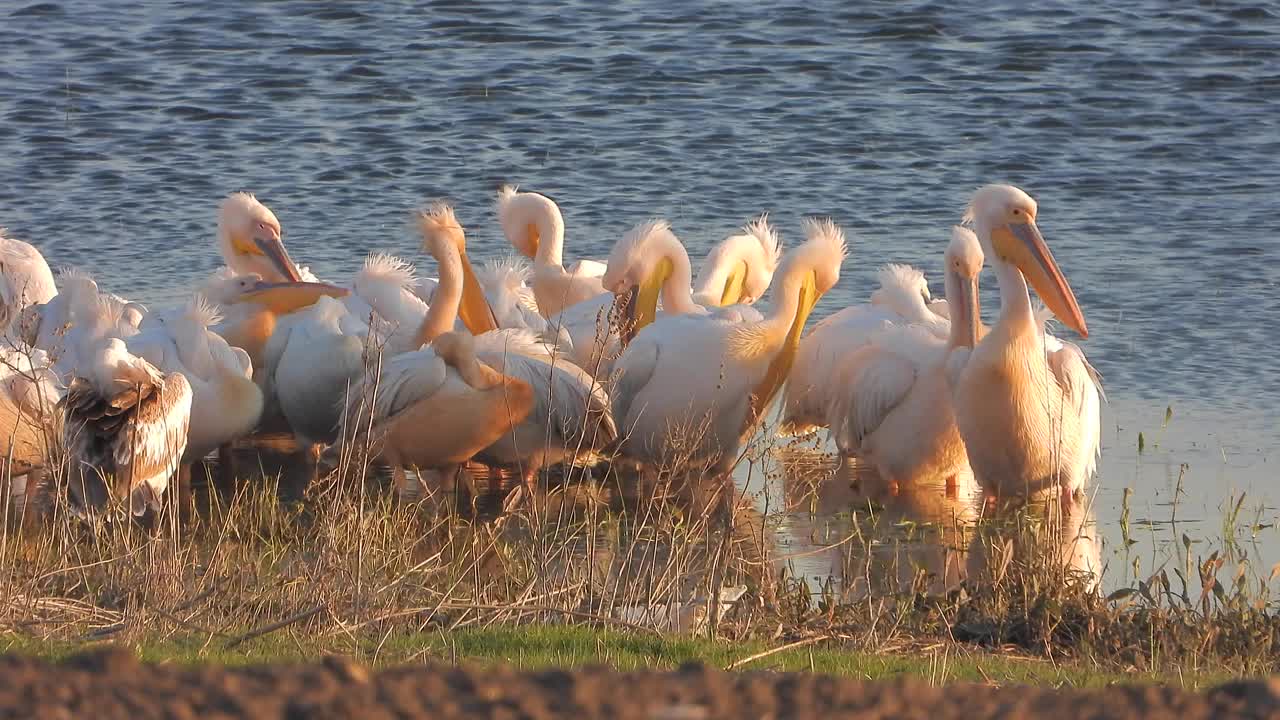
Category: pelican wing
[634,371]
[137,433]
[1081,396]
[405,379]
[314,371]
[153,454]
[684,388]
[25,278]
[593,342]
[819,358]
[875,381]
[156,345]
[571,407]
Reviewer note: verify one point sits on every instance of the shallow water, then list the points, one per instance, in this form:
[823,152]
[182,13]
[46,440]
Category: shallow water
[1144,130]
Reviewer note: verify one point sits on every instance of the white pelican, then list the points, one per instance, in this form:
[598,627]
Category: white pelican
[694,385]
[473,309]
[570,417]
[1030,422]
[892,405]
[29,393]
[648,261]
[505,282]
[25,279]
[902,299]
[315,354]
[740,268]
[651,258]
[226,404]
[534,226]
[249,239]
[125,430]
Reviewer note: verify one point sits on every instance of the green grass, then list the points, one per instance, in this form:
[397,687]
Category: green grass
[553,646]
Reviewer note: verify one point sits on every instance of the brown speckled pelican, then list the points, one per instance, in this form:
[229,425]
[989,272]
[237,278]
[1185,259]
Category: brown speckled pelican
[125,430]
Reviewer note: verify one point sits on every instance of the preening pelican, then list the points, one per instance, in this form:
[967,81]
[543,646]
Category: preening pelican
[892,405]
[505,282]
[570,416]
[29,425]
[25,279]
[652,259]
[249,239]
[314,355]
[226,404]
[390,287]
[1030,423]
[647,262]
[385,283]
[534,226]
[740,268]
[693,386]
[902,299]
[125,430]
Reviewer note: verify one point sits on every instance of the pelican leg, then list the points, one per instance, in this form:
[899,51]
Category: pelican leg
[226,468]
[183,496]
[529,474]
[400,482]
[1068,496]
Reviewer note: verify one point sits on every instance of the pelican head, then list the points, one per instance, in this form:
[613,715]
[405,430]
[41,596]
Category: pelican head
[440,227]
[760,274]
[529,220]
[822,254]
[903,288]
[806,274]
[739,268]
[964,261]
[642,260]
[1005,220]
[249,237]
[225,285]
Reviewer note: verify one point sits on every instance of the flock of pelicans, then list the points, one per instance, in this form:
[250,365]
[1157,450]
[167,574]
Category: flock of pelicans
[533,366]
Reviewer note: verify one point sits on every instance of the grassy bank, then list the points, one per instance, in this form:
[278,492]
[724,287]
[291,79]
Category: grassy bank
[622,571]
[546,647]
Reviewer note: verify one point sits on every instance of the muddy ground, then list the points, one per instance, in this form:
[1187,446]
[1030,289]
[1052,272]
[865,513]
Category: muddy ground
[113,684]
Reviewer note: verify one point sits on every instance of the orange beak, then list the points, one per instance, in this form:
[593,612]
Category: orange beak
[286,297]
[1022,244]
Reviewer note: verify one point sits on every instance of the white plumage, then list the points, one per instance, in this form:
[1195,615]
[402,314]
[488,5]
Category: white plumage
[901,299]
[25,279]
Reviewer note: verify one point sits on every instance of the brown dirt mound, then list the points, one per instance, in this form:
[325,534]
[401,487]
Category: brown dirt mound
[113,684]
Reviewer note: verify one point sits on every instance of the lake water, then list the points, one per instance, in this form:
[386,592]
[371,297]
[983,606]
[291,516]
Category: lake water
[1147,131]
